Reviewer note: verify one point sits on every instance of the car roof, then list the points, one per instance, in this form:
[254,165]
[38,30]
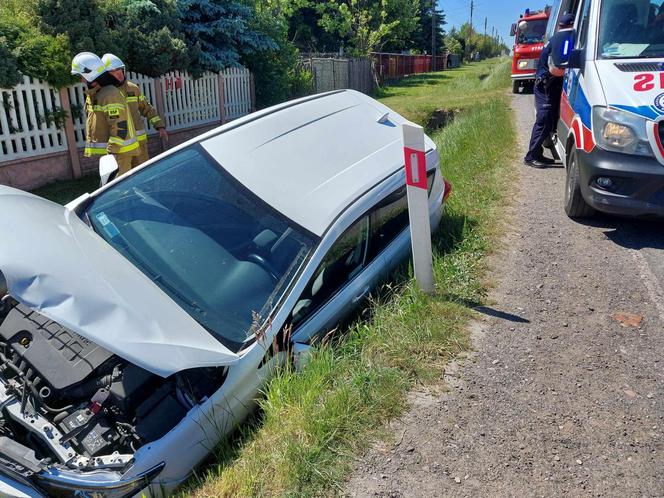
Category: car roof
[310,159]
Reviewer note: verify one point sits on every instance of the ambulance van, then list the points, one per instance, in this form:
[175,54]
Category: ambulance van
[611,129]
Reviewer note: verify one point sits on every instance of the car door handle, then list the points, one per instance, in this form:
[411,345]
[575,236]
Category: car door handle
[361,295]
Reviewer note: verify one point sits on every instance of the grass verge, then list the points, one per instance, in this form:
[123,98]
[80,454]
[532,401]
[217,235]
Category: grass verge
[65,191]
[313,422]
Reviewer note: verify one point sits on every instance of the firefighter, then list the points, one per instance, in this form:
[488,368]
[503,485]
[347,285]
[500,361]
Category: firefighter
[139,106]
[108,128]
[548,91]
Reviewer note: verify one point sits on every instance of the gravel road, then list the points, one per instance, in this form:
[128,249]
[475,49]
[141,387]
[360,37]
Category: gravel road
[564,395]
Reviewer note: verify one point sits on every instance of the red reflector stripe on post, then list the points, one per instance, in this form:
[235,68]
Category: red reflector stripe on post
[416,168]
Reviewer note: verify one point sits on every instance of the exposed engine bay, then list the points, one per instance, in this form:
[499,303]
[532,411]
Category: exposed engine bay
[66,401]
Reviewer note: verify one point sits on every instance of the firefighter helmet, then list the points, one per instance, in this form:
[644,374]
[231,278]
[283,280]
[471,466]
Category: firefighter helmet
[112,62]
[87,65]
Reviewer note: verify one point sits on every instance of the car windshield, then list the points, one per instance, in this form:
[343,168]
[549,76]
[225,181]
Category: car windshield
[215,248]
[631,29]
[531,32]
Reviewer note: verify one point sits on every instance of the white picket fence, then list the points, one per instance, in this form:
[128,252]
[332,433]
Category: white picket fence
[187,103]
[26,128]
[190,102]
[237,92]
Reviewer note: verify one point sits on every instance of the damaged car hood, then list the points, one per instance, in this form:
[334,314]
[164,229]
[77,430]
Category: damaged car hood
[55,264]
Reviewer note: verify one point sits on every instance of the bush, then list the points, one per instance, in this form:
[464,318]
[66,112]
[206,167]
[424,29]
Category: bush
[24,49]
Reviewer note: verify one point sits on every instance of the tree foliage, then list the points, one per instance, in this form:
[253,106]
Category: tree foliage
[150,36]
[474,43]
[367,25]
[220,31]
[279,76]
[25,49]
[87,25]
[422,36]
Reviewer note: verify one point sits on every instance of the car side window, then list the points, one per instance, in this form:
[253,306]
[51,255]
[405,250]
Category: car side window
[345,259]
[389,219]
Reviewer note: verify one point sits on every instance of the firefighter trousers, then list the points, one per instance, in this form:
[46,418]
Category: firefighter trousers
[124,163]
[142,156]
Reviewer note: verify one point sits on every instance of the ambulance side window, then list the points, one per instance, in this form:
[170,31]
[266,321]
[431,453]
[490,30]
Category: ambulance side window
[553,20]
[584,25]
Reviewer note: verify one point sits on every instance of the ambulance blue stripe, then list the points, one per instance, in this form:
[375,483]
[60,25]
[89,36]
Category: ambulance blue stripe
[658,111]
[644,111]
[582,108]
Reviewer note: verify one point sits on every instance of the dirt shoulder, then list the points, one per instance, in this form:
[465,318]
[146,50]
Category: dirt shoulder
[563,395]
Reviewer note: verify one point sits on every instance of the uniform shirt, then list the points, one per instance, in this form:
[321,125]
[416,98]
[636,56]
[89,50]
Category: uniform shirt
[553,49]
[140,108]
[109,128]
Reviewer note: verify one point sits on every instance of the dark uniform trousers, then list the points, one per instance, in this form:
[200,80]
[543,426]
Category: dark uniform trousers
[547,105]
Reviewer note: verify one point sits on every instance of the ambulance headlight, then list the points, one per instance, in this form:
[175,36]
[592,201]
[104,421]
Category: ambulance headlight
[620,131]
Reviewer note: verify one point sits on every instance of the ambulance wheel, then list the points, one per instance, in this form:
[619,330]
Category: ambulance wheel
[575,204]
[515,86]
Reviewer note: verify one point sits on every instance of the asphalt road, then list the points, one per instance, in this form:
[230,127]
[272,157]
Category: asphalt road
[564,395]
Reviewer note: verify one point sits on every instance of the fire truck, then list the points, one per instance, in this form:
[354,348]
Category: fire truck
[528,35]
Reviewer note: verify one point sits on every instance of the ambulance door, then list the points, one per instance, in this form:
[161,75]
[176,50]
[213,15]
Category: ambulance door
[575,96]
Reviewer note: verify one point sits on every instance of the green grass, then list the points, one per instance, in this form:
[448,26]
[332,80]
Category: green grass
[417,97]
[313,423]
[65,191]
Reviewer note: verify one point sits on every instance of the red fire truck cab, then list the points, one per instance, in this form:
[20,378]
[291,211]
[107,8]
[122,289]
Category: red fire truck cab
[528,36]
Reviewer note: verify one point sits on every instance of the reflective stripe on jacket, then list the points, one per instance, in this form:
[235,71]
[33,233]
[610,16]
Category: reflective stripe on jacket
[140,108]
[109,127]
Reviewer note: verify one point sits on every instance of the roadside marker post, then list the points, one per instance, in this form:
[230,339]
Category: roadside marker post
[418,205]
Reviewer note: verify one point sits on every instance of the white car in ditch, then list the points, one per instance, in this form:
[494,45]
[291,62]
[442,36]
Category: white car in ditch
[137,324]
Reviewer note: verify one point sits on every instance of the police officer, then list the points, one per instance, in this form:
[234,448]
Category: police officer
[109,128]
[548,90]
[138,105]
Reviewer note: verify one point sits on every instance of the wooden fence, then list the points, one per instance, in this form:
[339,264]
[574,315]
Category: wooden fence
[391,67]
[333,73]
[36,119]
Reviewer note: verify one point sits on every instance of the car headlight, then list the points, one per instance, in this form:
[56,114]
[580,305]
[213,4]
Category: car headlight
[99,484]
[523,64]
[619,131]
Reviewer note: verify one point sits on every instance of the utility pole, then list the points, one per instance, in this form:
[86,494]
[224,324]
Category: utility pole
[486,20]
[472,8]
[433,35]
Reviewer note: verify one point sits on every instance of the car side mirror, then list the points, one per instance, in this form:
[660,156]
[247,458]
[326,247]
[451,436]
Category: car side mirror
[575,59]
[108,168]
[513,30]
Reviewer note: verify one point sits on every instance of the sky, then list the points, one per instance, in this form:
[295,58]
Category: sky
[500,13]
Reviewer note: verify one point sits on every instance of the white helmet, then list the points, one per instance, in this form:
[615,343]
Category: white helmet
[87,65]
[112,62]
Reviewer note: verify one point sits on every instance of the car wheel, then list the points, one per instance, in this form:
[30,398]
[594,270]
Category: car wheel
[515,87]
[575,204]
